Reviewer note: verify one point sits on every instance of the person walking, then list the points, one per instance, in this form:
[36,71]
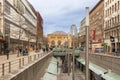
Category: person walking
[7,52]
[26,51]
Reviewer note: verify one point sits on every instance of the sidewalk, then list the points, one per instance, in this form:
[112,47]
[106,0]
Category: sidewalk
[3,58]
[14,64]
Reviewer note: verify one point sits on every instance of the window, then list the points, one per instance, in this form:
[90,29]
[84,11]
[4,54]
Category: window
[7,8]
[113,9]
[19,6]
[7,27]
[59,37]
[110,10]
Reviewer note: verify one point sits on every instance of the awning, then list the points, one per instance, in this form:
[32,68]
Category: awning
[100,71]
[82,61]
[111,76]
[54,61]
[97,69]
[48,76]
[51,73]
[77,51]
[52,68]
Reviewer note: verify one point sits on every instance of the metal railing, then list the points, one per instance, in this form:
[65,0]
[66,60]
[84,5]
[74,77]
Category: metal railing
[13,66]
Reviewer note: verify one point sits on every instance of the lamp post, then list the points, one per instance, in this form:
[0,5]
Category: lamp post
[74,34]
[87,46]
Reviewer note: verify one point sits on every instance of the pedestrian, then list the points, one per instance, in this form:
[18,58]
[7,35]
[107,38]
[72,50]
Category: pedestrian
[17,51]
[7,52]
[20,50]
[113,51]
[26,51]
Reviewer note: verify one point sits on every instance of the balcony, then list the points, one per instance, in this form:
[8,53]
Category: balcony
[116,24]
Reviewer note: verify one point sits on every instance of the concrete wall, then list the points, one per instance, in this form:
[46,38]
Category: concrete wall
[34,71]
[105,61]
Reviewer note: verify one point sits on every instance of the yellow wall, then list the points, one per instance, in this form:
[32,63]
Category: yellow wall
[59,37]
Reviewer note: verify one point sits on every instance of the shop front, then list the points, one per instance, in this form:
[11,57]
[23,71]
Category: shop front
[1,44]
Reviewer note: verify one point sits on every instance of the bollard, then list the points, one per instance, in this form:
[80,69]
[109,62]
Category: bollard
[19,63]
[28,59]
[3,72]
[9,67]
[34,57]
[23,61]
[38,55]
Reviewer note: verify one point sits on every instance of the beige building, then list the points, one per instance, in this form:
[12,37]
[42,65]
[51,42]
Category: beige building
[112,23]
[97,25]
[17,22]
[59,39]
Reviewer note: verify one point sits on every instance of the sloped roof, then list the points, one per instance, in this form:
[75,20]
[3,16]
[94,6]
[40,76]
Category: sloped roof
[59,32]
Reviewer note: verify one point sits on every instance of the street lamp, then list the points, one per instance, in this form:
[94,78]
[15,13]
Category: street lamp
[87,46]
[74,34]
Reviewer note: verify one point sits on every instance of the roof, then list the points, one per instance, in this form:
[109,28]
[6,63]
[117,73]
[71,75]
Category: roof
[100,71]
[59,32]
[99,2]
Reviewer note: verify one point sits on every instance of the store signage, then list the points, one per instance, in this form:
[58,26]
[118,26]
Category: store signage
[1,38]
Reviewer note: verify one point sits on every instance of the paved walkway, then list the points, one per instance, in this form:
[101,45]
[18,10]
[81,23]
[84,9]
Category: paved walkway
[3,58]
[15,63]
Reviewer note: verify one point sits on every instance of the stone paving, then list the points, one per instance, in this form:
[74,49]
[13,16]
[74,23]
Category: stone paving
[3,58]
[15,62]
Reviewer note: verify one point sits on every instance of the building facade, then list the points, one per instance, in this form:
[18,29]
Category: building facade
[96,28]
[18,23]
[59,39]
[112,24]
[39,36]
[82,33]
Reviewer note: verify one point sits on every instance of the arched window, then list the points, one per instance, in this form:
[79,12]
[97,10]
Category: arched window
[53,43]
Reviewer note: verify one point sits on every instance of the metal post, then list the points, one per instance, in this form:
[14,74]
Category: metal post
[73,65]
[28,59]
[3,69]
[19,63]
[23,61]
[9,67]
[87,46]
[73,60]
[68,63]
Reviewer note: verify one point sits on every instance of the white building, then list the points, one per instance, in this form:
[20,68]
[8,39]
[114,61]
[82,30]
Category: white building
[18,22]
[112,23]
[82,32]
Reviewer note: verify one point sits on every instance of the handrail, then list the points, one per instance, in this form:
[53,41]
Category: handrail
[9,66]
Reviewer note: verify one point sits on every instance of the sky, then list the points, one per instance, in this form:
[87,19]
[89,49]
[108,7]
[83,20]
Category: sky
[59,15]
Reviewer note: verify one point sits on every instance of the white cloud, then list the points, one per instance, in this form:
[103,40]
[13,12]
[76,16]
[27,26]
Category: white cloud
[55,12]
[55,7]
